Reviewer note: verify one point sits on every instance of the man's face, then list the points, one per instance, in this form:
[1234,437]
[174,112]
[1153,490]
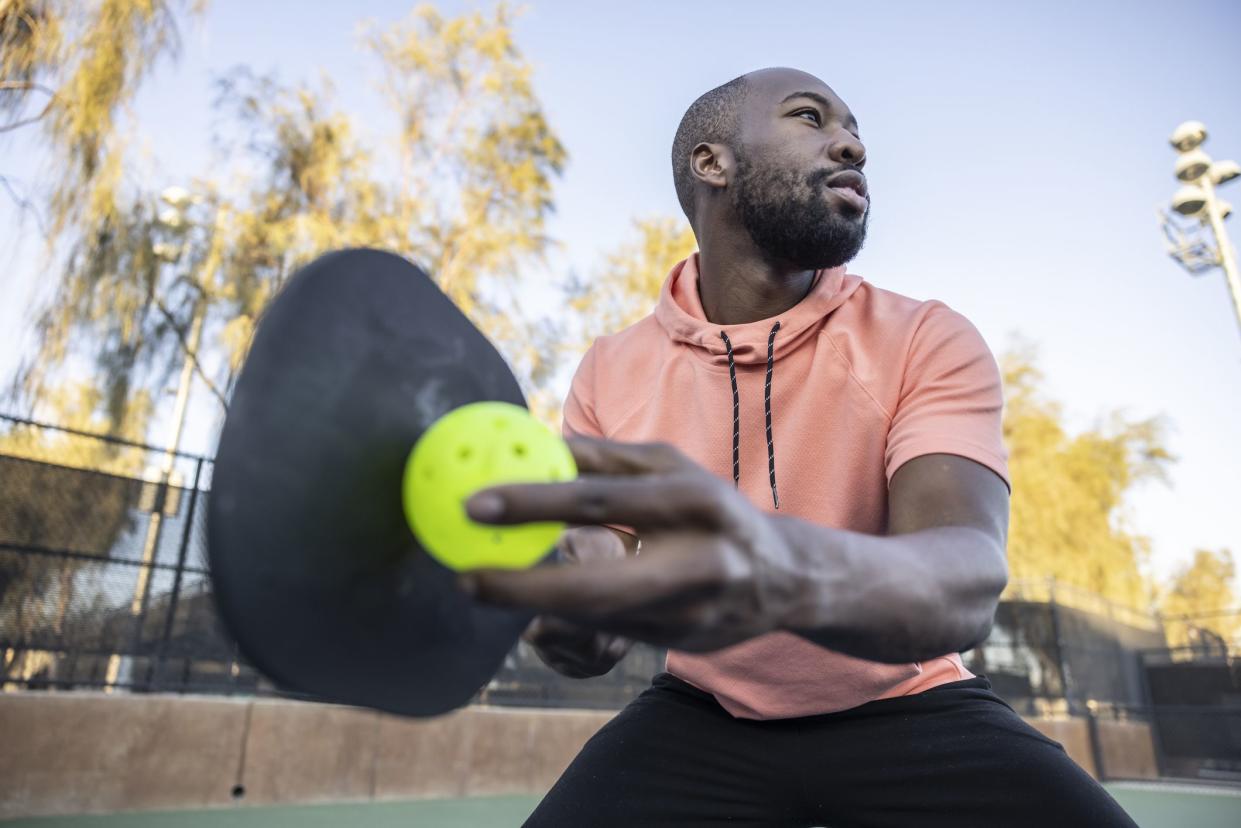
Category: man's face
[798,187]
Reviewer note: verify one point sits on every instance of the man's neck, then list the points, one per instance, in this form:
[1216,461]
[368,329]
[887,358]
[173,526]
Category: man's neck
[737,285]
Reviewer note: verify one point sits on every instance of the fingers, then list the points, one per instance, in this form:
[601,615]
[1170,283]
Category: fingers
[587,592]
[691,501]
[588,543]
[594,456]
[669,603]
[573,650]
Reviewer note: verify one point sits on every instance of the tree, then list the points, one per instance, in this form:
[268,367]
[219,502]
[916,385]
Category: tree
[626,287]
[71,67]
[1202,597]
[1067,512]
[477,163]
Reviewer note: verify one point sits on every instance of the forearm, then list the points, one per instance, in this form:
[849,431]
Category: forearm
[894,599]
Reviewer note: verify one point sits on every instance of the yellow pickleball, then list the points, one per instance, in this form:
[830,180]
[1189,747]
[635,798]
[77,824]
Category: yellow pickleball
[471,448]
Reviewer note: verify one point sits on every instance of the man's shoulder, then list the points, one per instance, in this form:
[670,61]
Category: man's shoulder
[636,342]
[880,317]
[892,310]
[884,335]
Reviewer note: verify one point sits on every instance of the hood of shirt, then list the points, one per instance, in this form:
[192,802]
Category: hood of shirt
[764,341]
[680,313]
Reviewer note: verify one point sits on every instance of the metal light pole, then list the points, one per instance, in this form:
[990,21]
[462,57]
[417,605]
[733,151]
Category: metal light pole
[1197,200]
[174,219]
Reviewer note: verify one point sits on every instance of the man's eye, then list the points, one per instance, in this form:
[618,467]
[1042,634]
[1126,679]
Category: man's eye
[813,113]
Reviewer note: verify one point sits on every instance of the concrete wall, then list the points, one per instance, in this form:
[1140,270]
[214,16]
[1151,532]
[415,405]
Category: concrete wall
[1074,734]
[67,753]
[1127,750]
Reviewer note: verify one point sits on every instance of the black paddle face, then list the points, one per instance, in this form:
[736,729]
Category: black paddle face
[316,572]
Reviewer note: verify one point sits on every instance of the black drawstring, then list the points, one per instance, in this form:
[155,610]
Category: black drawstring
[771,450]
[732,374]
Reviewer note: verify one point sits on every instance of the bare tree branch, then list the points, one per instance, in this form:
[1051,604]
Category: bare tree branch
[42,114]
[190,355]
[38,87]
[24,204]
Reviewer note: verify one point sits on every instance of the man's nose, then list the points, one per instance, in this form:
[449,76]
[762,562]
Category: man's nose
[847,149]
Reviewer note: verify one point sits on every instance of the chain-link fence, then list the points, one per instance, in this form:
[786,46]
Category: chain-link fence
[104,584]
[1053,649]
[103,570]
[1151,710]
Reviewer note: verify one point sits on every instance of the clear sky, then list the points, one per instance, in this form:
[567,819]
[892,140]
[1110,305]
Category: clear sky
[1016,157]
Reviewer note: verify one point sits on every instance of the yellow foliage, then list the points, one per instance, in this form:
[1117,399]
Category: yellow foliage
[469,201]
[70,68]
[1204,590]
[82,63]
[1067,514]
[80,406]
[626,287]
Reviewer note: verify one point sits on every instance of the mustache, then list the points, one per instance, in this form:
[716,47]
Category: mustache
[820,177]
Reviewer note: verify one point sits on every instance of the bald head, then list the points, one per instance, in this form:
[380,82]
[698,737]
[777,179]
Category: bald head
[777,152]
[712,119]
[719,116]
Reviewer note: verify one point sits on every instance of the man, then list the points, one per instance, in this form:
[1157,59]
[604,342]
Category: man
[808,474]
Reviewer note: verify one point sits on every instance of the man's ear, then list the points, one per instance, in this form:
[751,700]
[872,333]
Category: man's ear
[712,164]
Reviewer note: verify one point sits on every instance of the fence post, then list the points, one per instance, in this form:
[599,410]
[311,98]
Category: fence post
[1096,748]
[1058,639]
[155,675]
[1153,712]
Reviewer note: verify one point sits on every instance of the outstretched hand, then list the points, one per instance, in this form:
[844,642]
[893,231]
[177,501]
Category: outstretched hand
[713,571]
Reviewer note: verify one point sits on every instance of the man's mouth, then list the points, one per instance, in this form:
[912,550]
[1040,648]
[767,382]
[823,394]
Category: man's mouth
[850,187]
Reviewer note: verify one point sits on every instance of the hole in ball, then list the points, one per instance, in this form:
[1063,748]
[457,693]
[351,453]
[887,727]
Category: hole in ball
[464,453]
[519,450]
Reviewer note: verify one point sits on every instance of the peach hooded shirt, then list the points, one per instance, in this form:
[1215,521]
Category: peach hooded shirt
[862,381]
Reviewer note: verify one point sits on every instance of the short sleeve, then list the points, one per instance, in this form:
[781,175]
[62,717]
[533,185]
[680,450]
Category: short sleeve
[951,398]
[579,419]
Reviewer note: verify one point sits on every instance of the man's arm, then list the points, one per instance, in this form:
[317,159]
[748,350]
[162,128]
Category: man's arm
[928,587]
[719,571]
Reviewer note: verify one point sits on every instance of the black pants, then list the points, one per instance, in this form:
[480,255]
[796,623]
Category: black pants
[956,755]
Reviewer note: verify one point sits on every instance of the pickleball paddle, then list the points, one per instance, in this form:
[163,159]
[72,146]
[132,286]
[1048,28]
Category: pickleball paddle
[318,532]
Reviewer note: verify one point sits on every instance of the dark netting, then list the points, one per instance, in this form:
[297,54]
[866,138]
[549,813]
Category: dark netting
[92,567]
[1205,680]
[83,604]
[1102,655]
[1054,649]
[48,507]
[1196,713]
[1203,742]
[1021,657]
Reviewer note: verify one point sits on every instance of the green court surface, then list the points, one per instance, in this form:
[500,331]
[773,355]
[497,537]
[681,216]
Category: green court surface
[1151,805]
[478,812]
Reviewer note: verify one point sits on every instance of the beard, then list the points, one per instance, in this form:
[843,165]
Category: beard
[791,217]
